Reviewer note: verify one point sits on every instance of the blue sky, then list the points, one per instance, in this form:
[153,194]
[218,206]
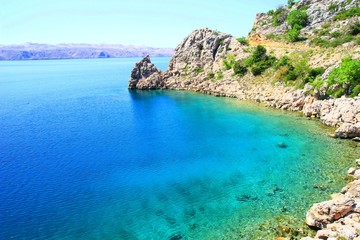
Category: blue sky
[157,23]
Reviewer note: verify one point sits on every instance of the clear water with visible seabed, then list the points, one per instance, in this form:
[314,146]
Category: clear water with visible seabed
[81,157]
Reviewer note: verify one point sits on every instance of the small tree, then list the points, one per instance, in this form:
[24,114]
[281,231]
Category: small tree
[347,75]
[239,69]
[297,17]
[294,33]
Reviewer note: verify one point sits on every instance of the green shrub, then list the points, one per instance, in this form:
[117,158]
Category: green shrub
[320,42]
[323,32]
[257,69]
[259,54]
[347,75]
[259,61]
[356,91]
[325,25]
[284,61]
[341,40]
[279,16]
[335,34]
[297,17]
[229,61]
[314,73]
[317,83]
[333,7]
[210,74]
[219,76]
[243,41]
[345,14]
[239,69]
[355,28]
[333,43]
[301,67]
[293,34]
[295,69]
[199,70]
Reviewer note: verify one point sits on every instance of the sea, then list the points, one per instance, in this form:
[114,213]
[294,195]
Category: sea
[83,157]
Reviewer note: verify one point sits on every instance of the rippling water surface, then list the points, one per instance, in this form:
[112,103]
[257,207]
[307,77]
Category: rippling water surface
[81,157]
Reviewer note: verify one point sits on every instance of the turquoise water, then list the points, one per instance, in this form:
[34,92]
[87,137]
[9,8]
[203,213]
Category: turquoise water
[81,157]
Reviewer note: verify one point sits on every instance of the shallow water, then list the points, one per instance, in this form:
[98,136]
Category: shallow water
[83,157]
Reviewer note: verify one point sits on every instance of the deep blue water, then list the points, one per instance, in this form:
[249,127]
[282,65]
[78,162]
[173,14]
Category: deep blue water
[81,157]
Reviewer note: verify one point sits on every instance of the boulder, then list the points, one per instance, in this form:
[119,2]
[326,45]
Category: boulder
[348,130]
[321,214]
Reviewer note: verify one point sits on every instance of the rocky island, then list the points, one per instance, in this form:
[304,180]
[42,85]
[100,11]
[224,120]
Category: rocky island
[300,57]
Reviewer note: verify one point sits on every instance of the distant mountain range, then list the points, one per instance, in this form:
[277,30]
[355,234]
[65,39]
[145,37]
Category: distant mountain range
[35,51]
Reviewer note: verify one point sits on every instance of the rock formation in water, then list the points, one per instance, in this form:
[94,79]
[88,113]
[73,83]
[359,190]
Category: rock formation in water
[145,76]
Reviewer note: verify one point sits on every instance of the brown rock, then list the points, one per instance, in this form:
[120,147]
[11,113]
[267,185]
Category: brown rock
[321,214]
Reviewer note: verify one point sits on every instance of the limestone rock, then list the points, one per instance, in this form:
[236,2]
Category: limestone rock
[351,171]
[145,75]
[321,214]
[348,130]
[347,227]
[204,49]
[352,190]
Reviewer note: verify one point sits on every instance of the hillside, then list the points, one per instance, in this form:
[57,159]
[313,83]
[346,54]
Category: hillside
[33,51]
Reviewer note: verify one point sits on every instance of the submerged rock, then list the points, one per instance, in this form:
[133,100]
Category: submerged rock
[176,236]
[282,145]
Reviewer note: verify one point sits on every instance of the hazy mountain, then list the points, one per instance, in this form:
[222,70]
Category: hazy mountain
[35,51]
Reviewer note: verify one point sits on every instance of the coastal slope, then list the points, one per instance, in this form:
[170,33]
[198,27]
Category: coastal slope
[288,61]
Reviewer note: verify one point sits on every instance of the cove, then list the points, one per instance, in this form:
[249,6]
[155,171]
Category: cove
[83,157]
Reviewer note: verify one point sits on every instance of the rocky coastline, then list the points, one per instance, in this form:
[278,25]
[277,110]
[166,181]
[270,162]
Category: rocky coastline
[198,56]
[198,66]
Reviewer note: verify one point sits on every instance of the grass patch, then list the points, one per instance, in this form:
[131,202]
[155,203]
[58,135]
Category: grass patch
[199,70]
[346,14]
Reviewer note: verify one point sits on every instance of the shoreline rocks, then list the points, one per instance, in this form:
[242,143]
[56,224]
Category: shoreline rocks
[338,218]
[198,66]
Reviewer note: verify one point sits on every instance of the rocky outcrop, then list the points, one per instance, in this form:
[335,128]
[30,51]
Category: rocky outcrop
[339,217]
[145,76]
[204,49]
[342,112]
[318,12]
